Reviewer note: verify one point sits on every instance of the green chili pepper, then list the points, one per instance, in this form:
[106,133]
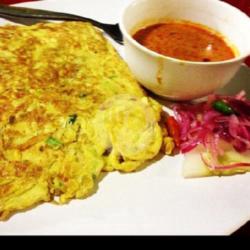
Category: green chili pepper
[54,143]
[72,118]
[223,107]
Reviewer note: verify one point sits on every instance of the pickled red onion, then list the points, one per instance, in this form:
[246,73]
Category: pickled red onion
[200,123]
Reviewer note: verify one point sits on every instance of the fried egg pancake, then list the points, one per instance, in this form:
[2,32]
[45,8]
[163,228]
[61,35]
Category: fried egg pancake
[69,108]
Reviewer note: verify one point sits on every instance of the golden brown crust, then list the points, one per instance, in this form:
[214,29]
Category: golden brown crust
[53,79]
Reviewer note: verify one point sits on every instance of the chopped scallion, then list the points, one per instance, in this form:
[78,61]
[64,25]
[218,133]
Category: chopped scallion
[72,119]
[53,143]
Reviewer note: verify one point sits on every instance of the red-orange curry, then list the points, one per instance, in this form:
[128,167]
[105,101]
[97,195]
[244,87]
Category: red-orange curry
[186,41]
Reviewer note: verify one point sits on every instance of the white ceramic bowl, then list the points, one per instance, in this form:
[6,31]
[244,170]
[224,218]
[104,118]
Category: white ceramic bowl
[177,79]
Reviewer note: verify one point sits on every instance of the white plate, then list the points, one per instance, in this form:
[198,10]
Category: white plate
[156,200]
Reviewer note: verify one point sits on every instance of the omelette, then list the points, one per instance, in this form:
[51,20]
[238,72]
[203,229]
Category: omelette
[69,109]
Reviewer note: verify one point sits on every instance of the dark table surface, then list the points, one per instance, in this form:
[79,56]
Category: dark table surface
[243,231]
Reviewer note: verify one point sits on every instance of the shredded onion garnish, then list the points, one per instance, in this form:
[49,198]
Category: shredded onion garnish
[225,118]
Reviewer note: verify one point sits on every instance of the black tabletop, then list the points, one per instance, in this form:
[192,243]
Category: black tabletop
[243,231]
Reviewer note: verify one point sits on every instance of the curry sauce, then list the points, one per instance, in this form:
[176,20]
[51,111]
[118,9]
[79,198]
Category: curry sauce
[186,41]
